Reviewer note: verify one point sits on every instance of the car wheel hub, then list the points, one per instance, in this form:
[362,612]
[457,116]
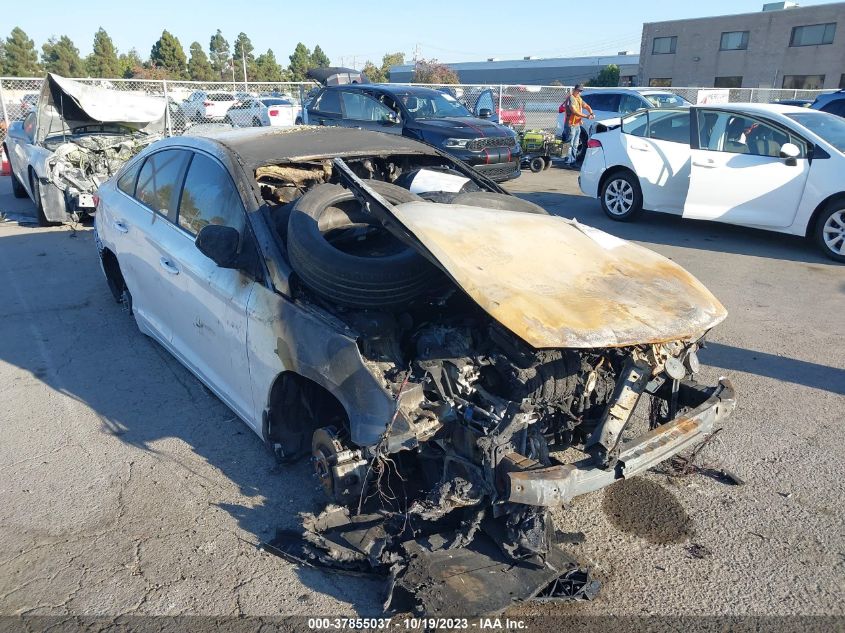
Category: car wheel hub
[834,232]
[619,196]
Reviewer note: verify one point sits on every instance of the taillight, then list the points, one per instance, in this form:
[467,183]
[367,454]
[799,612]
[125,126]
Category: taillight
[206,103]
[593,142]
[96,199]
[273,112]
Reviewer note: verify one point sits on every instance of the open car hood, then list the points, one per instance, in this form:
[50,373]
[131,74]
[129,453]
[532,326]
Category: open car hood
[556,283]
[79,104]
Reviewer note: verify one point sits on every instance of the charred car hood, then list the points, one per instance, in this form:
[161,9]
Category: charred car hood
[80,104]
[556,283]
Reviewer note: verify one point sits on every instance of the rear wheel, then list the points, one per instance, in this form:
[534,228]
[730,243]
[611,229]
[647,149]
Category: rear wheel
[621,197]
[830,230]
[537,164]
[548,161]
[17,188]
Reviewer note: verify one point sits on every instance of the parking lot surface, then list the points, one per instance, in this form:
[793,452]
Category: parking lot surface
[127,487]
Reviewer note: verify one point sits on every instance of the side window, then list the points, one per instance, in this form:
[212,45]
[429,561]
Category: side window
[606,102]
[360,107]
[636,124]
[485,102]
[126,183]
[328,102]
[209,197]
[630,103]
[669,126]
[159,180]
[739,134]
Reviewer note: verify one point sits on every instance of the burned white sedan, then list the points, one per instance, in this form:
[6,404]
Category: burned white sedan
[75,139]
[433,342]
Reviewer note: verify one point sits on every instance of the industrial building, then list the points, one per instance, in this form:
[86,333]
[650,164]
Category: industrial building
[782,46]
[534,71]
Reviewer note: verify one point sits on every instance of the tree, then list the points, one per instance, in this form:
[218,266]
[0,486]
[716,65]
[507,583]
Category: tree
[60,56]
[608,76]
[130,64]
[103,61]
[168,53]
[20,58]
[373,73]
[219,55]
[433,72]
[199,68]
[267,68]
[300,62]
[390,60]
[243,54]
[319,59]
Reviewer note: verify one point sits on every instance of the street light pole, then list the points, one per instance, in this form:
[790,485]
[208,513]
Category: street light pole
[243,61]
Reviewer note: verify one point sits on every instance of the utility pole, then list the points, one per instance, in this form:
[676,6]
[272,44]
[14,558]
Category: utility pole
[243,61]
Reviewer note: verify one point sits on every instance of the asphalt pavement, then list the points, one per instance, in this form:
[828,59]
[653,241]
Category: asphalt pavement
[126,487]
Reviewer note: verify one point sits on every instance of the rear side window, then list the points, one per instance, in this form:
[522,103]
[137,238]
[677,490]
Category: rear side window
[328,102]
[209,197]
[126,183]
[159,180]
[606,102]
[669,126]
[636,124]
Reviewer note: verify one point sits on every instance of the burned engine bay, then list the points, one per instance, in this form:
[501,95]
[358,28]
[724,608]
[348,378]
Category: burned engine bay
[488,431]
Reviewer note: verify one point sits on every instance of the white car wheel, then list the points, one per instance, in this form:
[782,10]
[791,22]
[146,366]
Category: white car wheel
[621,197]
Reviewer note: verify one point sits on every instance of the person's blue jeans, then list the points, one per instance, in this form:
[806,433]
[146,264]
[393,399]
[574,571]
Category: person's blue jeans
[574,142]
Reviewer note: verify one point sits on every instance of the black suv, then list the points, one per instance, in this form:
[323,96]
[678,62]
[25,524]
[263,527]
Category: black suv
[423,114]
[833,102]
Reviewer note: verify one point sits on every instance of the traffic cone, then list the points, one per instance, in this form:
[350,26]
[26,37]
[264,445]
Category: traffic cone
[5,167]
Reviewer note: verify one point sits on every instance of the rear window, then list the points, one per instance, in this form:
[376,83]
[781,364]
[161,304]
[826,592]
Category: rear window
[159,180]
[604,101]
[329,102]
[276,102]
[221,96]
[666,101]
[126,183]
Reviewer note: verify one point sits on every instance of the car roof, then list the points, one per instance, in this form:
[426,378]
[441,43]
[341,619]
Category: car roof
[630,91]
[758,108]
[256,147]
[393,89]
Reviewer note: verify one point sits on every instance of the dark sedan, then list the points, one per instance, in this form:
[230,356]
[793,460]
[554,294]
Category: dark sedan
[423,114]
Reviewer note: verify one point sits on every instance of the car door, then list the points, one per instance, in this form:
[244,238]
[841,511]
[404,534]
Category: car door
[657,142]
[362,110]
[210,318]
[146,239]
[737,174]
[325,108]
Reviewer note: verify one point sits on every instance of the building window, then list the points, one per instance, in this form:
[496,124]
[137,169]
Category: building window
[728,82]
[734,41]
[664,45]
[813,35]
[660,82]
[842,81]
[803,82]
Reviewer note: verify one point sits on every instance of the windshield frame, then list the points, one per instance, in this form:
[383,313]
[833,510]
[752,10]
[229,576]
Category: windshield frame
[399,96]
[798,118]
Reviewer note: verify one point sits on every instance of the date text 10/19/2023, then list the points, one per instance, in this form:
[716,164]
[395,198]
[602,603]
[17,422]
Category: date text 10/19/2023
[422,623]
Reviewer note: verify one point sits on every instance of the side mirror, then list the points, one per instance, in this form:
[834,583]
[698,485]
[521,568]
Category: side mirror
[29,126]
[485,113]
[790,152]
[219,244]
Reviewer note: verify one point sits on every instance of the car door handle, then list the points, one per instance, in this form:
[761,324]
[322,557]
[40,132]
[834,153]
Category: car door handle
[120,226]
[708,163]
[168,266]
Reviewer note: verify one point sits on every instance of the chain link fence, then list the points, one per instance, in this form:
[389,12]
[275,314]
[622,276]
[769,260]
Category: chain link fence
[520,106]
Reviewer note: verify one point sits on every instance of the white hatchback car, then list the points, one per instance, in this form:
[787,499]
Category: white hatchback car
[773,167]
[263,111]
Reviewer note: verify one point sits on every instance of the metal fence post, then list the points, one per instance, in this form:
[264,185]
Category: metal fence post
[3,103]
[499,111]
[167,109]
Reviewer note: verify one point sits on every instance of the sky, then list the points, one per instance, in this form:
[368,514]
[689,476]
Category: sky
[352,33]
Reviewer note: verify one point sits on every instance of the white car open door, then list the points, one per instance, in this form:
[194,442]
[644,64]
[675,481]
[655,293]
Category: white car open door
[745,170]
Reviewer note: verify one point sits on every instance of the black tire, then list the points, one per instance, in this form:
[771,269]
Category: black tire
[359,281]
[501,201]
[18,189]
[298,121]
[829,231]
[621,196]
[256,122]
[537,164]
[582,147]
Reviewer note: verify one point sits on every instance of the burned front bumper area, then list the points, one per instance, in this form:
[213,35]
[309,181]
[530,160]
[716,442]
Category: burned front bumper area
[530,483]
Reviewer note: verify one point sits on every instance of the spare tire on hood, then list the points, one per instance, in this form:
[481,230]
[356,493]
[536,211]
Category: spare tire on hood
[377,272]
